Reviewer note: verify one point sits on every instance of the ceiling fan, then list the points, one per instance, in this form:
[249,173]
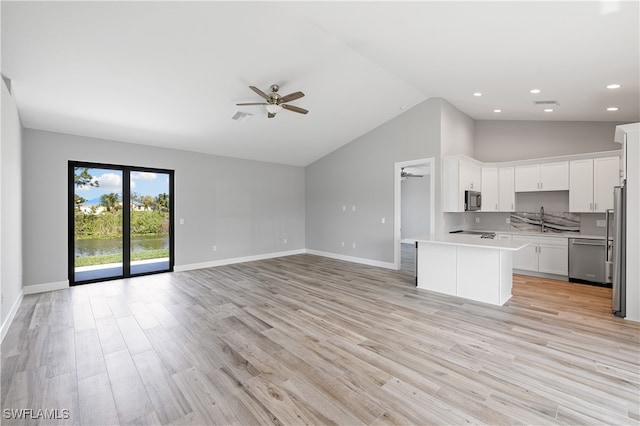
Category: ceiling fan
[275,102]
[404,174]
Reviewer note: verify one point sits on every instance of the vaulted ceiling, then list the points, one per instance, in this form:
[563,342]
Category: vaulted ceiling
[170,73]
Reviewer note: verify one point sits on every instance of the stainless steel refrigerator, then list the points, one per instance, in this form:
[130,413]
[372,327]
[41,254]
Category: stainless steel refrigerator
[617,262]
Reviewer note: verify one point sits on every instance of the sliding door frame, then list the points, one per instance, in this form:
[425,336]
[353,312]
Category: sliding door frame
[126,218]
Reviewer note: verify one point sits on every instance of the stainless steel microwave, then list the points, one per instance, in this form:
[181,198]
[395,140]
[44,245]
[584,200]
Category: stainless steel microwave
[472,201]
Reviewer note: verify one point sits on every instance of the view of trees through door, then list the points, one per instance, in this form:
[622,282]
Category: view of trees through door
[120,221]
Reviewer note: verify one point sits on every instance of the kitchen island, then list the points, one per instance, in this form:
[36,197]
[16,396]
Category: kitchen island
[466,266]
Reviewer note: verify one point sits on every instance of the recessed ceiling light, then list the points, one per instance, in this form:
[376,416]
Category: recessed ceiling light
[614,86]
[477,94]
[548,110]
[497,110]
[535,91]
[613,109]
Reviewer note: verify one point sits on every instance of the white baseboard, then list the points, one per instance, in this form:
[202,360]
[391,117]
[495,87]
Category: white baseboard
[41,288]
[380,264]
[12,314]
[231,261]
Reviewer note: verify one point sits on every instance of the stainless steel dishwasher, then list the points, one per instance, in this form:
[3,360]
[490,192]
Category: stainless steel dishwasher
[587,260]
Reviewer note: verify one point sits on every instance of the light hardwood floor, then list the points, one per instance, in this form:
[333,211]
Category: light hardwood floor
[310,340]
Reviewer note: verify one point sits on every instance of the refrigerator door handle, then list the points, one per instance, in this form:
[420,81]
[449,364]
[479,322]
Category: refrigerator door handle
[607,215]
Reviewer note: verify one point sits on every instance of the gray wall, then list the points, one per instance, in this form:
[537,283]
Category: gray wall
[457,133]
[361,173]
[243,207]
[10,205]
[415,206]
[522,140]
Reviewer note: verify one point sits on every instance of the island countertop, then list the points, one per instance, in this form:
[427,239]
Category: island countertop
[471,241]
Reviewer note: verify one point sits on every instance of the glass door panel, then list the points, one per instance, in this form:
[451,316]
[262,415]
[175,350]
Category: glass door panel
[98,223]
[150,218]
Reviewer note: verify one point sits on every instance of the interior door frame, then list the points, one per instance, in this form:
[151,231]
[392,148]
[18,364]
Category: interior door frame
[126,218]
[397,202]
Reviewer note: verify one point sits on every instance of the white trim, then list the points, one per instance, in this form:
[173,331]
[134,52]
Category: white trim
[231,261]
[558,158]
[12,314]
[397,202]
[41,288]
[378,263]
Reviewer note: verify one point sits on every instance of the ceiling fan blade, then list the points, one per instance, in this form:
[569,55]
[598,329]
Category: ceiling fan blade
[291,97]
[259,92]
[295,109]
[253,103]
[270,115]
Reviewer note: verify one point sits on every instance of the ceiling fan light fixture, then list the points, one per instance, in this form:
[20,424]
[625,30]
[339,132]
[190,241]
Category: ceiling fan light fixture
[273,108]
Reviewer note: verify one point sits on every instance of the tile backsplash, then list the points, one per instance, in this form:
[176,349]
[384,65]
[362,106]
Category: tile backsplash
[553,222]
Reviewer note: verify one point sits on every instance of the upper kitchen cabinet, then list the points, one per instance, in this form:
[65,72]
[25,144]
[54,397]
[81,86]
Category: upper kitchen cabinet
[470,176]
[497,189]
[542,177]
[490,189]
[507,195]
[591,184]
[460,174]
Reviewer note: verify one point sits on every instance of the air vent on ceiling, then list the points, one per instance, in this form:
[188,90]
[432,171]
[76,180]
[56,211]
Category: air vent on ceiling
[241,116]
[545,103]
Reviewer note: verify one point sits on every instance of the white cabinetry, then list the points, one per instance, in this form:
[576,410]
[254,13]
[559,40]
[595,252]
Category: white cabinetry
[544,254]
[497,189]
[460,174]
[606,175]
[507,195]
[581,185]
[542,177]
[470,176]
[591,184]
[490,189]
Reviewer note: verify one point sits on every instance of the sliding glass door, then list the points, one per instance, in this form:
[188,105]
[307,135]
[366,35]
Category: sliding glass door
[120,221]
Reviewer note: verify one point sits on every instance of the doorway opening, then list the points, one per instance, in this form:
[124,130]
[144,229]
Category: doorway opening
[120,221]
[414,203]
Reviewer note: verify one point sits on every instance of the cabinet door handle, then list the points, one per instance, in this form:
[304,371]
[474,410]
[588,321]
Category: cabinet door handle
[496,206]
[595,207]
[590,206]
[541,185]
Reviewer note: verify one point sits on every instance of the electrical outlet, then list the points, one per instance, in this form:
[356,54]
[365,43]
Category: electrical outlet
[353,245]
[353,208]
[477,220]
[344,208]
[285,241]
[601,223]
[181,221]
[508,220]
[383,220]
[214,248]
[342,243]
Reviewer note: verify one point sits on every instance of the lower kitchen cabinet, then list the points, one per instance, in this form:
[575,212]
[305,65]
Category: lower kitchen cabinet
[549,255]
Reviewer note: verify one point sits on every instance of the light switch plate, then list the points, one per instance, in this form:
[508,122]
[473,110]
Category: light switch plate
[601,223]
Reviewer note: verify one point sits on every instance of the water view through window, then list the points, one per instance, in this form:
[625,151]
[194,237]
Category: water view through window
[121,222]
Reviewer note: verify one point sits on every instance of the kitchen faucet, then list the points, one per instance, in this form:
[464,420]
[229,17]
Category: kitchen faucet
[541,218]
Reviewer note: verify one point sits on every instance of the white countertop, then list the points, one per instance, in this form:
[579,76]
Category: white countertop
[471,241]
[548,234]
